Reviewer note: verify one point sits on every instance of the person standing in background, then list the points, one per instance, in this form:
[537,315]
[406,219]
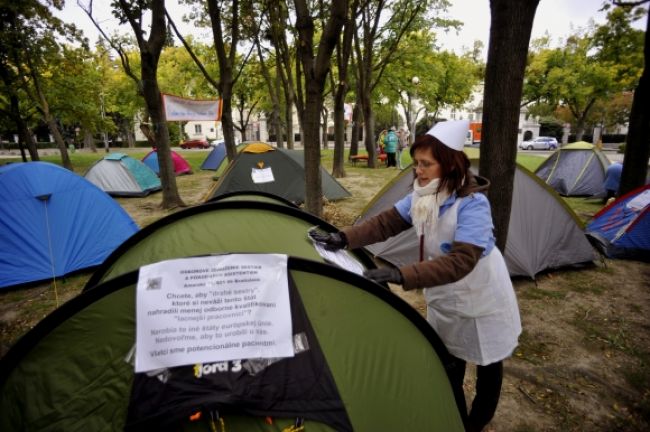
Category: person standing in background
[390,146]
[612,180]
[402,135]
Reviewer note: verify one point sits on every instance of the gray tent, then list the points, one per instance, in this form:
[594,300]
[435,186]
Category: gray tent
[119,174]
[576,169]
[544,233]
[260,167]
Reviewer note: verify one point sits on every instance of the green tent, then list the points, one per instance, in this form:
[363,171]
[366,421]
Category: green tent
[71,372]
[261,167]
[225,226]
[254,196]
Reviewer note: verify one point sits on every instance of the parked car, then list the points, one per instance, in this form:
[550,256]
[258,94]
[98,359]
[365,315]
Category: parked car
[539,143]
[195,143]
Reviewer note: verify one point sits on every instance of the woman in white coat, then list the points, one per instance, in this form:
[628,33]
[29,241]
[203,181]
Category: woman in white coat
[470,299]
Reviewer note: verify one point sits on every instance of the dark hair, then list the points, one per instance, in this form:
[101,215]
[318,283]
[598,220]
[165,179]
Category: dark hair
[454,164]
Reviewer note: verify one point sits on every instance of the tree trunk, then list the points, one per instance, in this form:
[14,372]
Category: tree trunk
[338,166]
[24,134]
[325,119]
[126,132]
[315,69]
[580,129]
[272,87]
[277,124]
[288,118]
[58,139]
[310,142]
[171,198]
[149,56]
[356,127]
[340,89]
[637,147]
[226,119]
[151,137]
[510,27]
[226,62]
[49,120]
[369,130]
[89,141]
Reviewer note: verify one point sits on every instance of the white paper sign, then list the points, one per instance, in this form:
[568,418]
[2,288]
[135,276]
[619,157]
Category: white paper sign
[210,309]
[339,257]
[264,175]
[640,202]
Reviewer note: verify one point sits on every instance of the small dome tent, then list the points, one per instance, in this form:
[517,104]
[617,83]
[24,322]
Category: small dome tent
[543,233]
[576,169]
[180,165]
[120,175]
[215,158]
[622,229]
[387,367]
[54,222]
[261,167]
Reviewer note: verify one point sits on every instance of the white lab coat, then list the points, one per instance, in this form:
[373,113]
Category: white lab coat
[476,317]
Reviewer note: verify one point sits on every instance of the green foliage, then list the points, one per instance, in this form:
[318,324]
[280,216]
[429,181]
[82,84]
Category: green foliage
[579,81]
[444,79]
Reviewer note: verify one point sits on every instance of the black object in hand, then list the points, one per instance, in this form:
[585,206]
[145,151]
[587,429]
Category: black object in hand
[331,241]
[386,274]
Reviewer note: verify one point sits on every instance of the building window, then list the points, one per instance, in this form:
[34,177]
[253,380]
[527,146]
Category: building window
[197,128]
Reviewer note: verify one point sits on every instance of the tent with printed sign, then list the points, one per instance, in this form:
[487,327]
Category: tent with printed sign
[54,222]
[576,169]
[120,175]
[544,233]
[622,229]
[261,167]
[263,225]
[384,369]
[215,158]
[181,166]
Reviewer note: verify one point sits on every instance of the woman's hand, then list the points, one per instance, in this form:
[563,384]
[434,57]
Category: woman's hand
[386,274]
[331,241]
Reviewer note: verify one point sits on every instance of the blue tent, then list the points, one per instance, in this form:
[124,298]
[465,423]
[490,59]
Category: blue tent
[215,158]
[54,222]
[622,229]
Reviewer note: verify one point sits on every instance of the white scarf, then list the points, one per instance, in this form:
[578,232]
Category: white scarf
[425,206]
